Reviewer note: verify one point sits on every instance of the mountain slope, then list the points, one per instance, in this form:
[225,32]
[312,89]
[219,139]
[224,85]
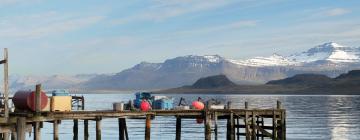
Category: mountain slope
[213,82]
[330,59]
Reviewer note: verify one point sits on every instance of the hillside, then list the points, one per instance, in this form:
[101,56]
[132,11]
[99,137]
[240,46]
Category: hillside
[348,83]
[330,59]
[213,82]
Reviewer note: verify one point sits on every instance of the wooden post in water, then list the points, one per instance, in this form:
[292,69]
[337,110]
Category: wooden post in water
[247,134]
[247,131]
[86,129]
[56,130]
[147,127]
[98,128]
[20,128]
[274,126]
[37,132]
[253,132]
[238,128]
[207,125]
[216,125]
[13,136]
[178,128]
[282,134]
[121,128]
[232,126]
[76,129]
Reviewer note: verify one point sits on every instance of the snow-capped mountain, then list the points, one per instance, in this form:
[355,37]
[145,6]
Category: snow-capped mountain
[330,59]
[330,51]
[273,60]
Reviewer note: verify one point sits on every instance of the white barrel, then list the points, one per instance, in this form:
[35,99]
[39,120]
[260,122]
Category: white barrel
[119,106]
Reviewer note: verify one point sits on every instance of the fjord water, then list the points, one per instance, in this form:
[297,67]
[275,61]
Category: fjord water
[308,117]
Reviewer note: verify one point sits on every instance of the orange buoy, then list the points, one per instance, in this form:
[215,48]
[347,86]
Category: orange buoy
[145,105]
[198,105]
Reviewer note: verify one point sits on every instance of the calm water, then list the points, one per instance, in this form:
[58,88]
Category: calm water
[308,117]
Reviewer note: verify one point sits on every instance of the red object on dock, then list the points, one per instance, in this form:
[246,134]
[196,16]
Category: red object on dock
[198,105]
[25,100]
[145,105]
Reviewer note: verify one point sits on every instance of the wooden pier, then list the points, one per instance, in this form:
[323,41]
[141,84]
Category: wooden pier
[242,122]
[249,124]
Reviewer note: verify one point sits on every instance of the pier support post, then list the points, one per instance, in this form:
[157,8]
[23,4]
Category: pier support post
[216,125]
[6,136]
[232,129]
[20,129]
[147,127]
[178,128]
[122,127]
[13,136]
[76,129]
[247,132]
[274,120]
[86,129]
[207,125]
[98,128]
[56,130]
[37,132]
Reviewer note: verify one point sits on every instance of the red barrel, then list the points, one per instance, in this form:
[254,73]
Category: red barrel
[25,100]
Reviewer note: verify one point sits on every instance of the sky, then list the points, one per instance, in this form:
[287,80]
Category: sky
[81,37]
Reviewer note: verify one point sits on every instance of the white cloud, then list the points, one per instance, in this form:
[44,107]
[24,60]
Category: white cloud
[337,12]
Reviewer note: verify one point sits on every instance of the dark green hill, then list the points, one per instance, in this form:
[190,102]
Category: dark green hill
[303,80]
[213,82]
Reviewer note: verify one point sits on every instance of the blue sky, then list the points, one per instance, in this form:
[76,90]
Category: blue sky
[57,37]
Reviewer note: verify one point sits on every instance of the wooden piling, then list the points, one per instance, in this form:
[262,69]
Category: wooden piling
[253,132]
[98,128]
[6,136]
[38,99]
[247,133]
[121,128]
[20,128]
[56,130]
[6,87]
[207,126]
[216,125]
[147,127]
[86,129]
[246,105]
[232,126]
[274,134]
[13,136]
[238,128]
[76,129]
[178,128]
[37,132]
[278,104]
